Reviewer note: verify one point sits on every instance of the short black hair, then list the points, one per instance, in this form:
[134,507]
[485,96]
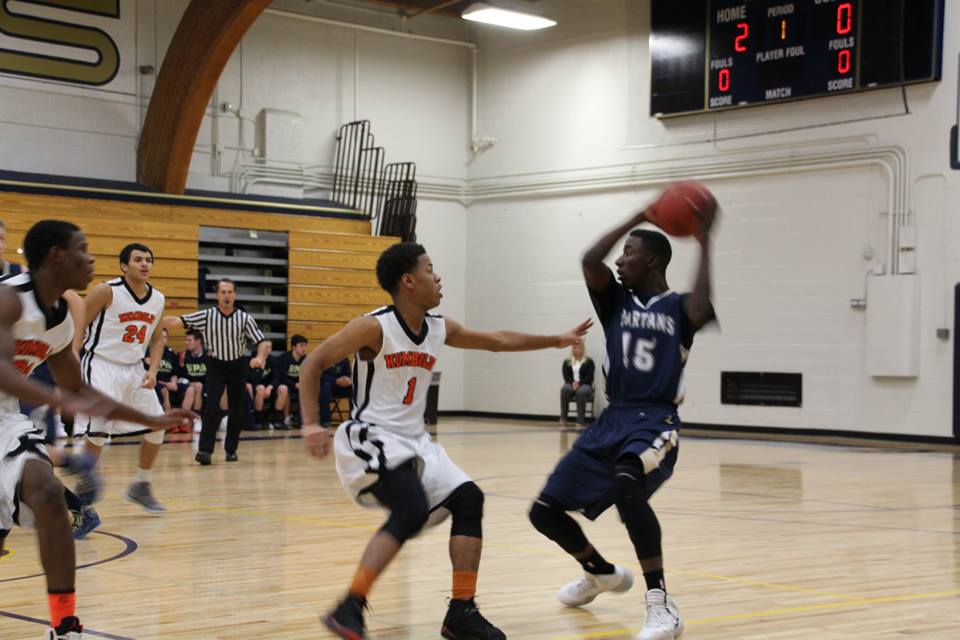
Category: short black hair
[656,243]
[46,235]
[395,261]
[297,339]
[130,248]
[222,280]
[196,335]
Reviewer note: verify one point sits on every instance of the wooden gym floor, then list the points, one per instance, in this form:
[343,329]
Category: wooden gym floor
[762,540]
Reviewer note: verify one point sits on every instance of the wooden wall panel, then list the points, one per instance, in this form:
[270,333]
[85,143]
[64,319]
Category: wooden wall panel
[331,269]
[335,259]
[372,298]
[268,221]
[313,331]
[325,313]
[332,277]
[339,242]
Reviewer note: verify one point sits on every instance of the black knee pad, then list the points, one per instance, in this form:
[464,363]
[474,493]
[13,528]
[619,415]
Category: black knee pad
[550,518]
[466,508]
[406,522]
[635,512]
[628,480]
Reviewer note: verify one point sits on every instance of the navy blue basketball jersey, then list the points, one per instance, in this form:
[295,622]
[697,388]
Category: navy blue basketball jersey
[647,345]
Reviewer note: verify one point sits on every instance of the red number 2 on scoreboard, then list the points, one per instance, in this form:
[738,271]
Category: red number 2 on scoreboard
[738,42]
[411,387]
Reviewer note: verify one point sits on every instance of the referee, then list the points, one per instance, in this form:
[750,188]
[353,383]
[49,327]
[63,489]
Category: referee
[227,331]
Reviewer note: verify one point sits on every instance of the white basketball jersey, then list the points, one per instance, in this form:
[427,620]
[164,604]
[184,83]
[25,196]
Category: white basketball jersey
[121,332]
[390,391]
[37,335]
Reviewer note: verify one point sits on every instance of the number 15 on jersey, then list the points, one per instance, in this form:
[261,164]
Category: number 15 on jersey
[638,352]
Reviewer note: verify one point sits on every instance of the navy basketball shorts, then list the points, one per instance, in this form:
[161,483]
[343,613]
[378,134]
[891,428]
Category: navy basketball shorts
[583,480]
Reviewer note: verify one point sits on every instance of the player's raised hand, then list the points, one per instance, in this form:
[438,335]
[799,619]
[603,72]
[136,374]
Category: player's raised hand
[316,440]
[172,419]
[706,218]
[575,335]
[149,381]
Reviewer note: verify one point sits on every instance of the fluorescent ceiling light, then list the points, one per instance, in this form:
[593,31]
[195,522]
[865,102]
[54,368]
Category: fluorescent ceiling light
[480,12]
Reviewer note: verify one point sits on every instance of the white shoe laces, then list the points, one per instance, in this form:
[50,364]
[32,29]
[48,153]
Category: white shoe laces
[584,585]
[657,611]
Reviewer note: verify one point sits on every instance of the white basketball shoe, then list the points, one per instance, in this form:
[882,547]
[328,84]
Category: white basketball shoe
[589,586]
[663,617]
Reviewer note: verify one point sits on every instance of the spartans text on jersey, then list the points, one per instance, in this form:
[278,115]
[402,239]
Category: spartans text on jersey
[648,320]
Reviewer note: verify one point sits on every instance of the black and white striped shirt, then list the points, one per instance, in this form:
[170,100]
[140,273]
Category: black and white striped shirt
[226,337]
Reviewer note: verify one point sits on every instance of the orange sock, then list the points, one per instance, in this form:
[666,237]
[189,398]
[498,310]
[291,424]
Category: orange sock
[363,580]
[464,585]
[62,605]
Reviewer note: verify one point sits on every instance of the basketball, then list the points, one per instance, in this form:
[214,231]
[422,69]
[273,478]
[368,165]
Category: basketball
[677,209]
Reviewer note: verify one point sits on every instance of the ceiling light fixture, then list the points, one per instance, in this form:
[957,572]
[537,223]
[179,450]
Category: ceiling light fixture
[482,12]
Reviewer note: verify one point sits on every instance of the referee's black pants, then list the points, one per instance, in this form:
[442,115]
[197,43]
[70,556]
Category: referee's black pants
[232,375]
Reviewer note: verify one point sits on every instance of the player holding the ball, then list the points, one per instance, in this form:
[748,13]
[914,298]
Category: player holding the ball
[632,447]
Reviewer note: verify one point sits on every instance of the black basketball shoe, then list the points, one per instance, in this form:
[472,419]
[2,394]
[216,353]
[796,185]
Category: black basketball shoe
[347,619]
[464,622]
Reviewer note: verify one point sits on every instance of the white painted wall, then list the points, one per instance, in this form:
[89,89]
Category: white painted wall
[415,93]
[569,106]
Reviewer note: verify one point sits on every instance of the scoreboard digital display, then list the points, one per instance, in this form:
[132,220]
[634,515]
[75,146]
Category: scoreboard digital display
[709,55]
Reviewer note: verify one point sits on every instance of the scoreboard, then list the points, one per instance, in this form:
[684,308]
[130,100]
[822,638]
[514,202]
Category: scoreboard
[708,55]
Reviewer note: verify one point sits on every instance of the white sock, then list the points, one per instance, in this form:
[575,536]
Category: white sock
[143,475]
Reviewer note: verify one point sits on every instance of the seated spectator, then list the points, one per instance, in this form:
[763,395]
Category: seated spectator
[263,393]
[6,268]
[577,384]
[287,377]
[193,372]
[335,383]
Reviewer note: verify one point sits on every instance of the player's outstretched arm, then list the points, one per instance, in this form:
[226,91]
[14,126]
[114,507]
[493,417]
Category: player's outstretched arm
[595,272]
[360,334]
[698,306]
[171,322]
[82,398]
[463,338]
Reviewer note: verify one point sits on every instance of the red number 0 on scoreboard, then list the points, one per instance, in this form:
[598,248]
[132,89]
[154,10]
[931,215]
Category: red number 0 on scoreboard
[844,18]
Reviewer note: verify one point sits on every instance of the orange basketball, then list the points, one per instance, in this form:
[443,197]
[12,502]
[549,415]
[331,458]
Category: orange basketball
[679,207]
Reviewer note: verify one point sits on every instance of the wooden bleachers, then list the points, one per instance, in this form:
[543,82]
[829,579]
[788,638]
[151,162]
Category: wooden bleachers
[331,260]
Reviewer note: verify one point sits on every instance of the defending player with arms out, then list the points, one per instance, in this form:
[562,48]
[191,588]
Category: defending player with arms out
[632,447]
[35,326]
[384,456]
[122,318]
